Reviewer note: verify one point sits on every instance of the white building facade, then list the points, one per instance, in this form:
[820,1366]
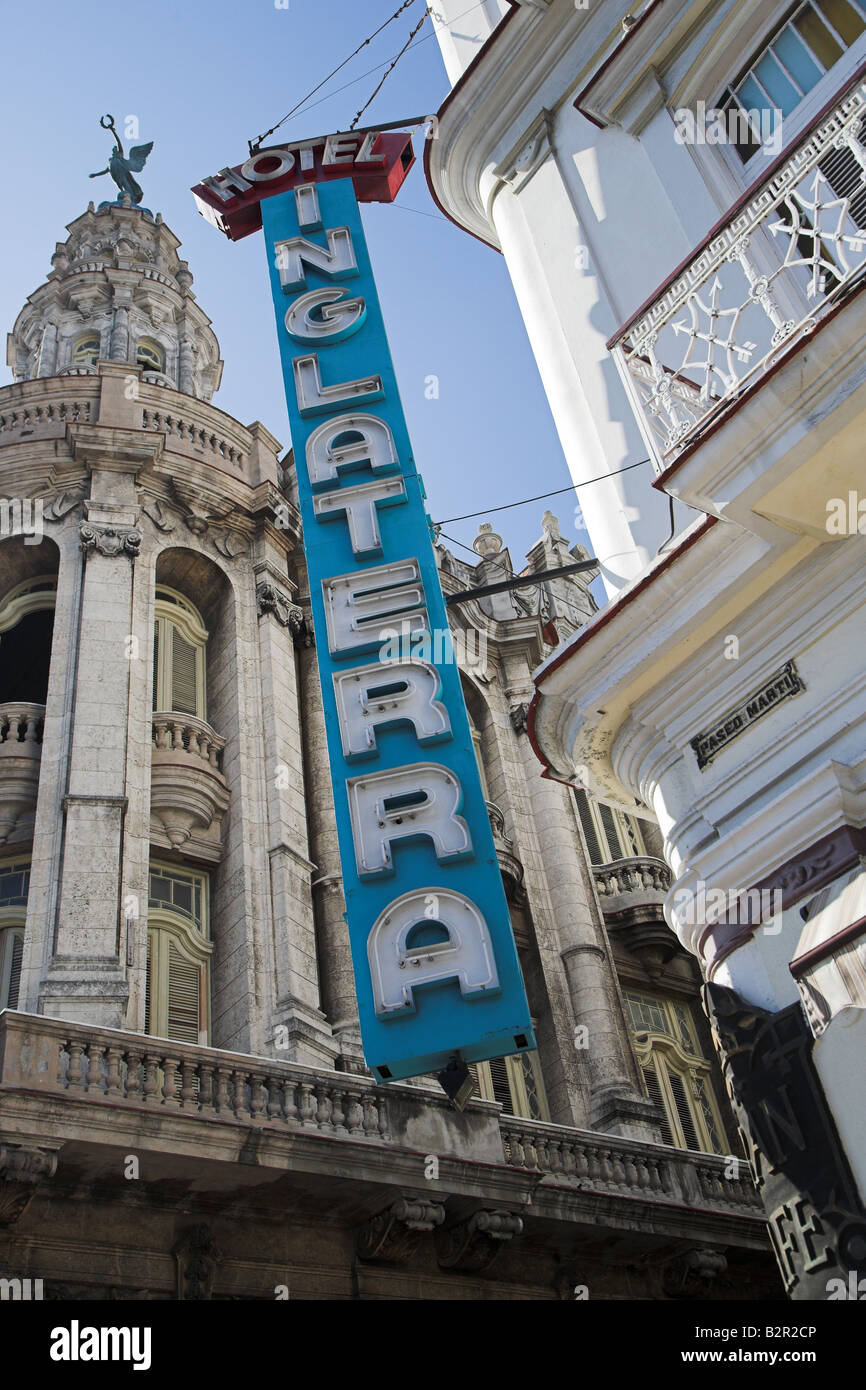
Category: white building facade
[678,190]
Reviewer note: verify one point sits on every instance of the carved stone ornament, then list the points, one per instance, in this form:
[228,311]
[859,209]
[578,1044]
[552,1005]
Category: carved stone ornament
[693,1274]
[110,540]
[271,601]
[394,1234]
[519,715]
[160,515]
[527,158]
[197,1260]
[474,1244]
[816,1220]
[58,507]
[22,1168]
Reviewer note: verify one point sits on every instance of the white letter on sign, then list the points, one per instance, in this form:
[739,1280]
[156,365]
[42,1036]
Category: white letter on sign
[361,605]
[334,446]
[337,258]
[419,801]
[398,965]
[314,398]
[372,697]
[338,318]
[358,505]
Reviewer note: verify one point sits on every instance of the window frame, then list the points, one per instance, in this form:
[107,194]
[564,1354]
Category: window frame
[12,927]
[24,598]
[166,926]
[173,609]
[793,126]
[514,1067]
[77,345]
[154,348]
[626,824]
[652,1045]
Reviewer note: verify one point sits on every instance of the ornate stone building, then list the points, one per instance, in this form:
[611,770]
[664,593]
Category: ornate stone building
[184,1107]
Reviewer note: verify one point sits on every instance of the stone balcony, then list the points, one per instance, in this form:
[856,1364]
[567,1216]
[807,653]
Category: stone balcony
[204,1121]
[509,865]
[755,322]
[632,893]
[20,759]
[189,795]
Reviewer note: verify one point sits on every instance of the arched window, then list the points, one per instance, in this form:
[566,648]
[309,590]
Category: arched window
[676,1074]
[177,1001]
[179,656]
[85,351]
[14,885]
[150,356]
[26,629]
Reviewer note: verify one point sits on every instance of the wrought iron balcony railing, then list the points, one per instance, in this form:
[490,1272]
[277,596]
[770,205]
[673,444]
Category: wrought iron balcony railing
[779,263]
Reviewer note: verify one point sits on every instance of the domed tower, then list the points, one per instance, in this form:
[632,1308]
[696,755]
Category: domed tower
[152,810]
[118,292]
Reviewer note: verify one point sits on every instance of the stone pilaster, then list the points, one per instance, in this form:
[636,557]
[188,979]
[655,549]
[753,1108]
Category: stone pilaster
[300,1029]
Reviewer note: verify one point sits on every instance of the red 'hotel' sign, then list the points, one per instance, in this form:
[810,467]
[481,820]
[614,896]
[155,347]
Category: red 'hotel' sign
[377,163]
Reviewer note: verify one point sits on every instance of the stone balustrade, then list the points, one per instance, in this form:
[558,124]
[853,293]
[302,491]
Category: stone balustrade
[102,1065]
[175,733]
[21,729]
[193,427]
[640,874]
[20,758]
[110,1072]
[608,1164]
[42,409]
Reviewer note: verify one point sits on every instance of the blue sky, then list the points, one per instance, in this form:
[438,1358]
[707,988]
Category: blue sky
[204,76]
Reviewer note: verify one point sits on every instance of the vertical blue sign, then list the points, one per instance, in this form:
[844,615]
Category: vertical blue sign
[436,968]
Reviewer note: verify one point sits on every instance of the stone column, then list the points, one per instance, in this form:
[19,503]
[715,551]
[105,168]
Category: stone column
[296,996]
[186,366]
[337,975]
[119,346]
[616,1104]
[48,351]
[86,980]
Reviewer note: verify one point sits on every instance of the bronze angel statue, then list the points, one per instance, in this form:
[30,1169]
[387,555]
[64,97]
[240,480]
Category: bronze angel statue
[121,167]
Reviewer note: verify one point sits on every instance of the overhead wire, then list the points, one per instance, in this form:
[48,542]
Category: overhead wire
[540,497]
[407,45]
[325,80]
[301,108]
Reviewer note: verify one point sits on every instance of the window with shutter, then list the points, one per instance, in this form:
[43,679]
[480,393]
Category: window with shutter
[516,1082]
[586,820]
[654,1091]
[675,1072]
[11,955]
[177,989]
[184,997]
[184,690]
[179,656]
[610,834]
